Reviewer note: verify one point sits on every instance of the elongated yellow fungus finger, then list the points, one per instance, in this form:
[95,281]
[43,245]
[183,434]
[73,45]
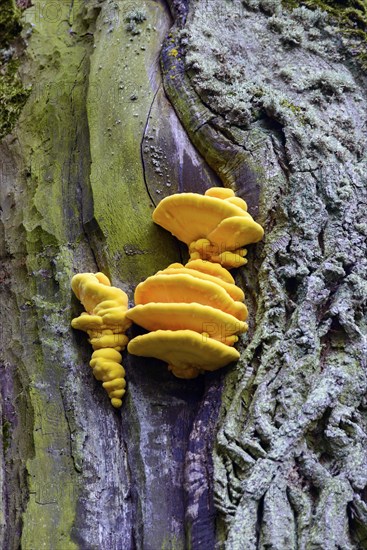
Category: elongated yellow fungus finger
[114,341]
[115,384]
[105,321]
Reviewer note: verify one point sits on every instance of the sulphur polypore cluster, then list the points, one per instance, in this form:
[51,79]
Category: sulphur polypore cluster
[196,311]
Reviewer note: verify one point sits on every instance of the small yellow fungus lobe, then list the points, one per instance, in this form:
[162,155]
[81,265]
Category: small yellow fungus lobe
[215,226]
[105,321]
[234,291]
[216,270]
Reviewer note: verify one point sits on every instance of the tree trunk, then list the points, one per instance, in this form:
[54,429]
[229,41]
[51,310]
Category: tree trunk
[130,102]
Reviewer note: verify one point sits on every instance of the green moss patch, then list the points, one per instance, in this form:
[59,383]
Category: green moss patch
[9,21]
[12,96]
[12,93]
[351,15]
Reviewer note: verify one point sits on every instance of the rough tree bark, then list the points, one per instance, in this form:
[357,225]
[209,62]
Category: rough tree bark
[117,105]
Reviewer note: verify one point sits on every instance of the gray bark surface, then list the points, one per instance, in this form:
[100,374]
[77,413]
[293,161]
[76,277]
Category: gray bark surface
[290,458]
[127,104]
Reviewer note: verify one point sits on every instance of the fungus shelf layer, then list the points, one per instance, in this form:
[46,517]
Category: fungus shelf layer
[105,321]
[187,352]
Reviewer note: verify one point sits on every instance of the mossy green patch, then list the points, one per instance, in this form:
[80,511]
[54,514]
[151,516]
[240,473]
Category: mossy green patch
[9,21]
[13,95]
[51,507]
[297,111]
[51,133]
[122,88]
[6,434]
[351,16]
[51,139]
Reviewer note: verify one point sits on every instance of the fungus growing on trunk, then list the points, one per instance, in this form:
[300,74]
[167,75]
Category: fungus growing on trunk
[195,311]
[187,353]
[182,288]
[105,321]
[215,226]
[194,318]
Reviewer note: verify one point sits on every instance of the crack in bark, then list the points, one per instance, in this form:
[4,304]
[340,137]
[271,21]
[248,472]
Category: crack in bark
[142,144]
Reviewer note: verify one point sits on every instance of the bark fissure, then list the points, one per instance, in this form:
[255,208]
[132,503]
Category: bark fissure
[142,145]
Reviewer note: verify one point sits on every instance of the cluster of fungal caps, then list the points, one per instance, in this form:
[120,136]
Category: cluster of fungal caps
[193,312]
[105,322]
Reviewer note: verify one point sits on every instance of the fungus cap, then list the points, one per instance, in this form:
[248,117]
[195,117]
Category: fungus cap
[86,322]
[196,317]
[238,202]
[219,192]
[235,232]
[187,352]
[214,269]
[182,288]
[190,216]
[234,291]
[92,289]
[227,195]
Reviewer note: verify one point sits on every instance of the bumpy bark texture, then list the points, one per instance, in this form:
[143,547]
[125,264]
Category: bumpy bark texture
[250,95]
[290,458]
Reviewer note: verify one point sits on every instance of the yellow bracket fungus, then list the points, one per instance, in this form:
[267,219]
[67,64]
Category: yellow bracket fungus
[187,353]
[105,322]
[199,318]
[215,226]
[234,291]
[187,289]
[216,270]
[195,312]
